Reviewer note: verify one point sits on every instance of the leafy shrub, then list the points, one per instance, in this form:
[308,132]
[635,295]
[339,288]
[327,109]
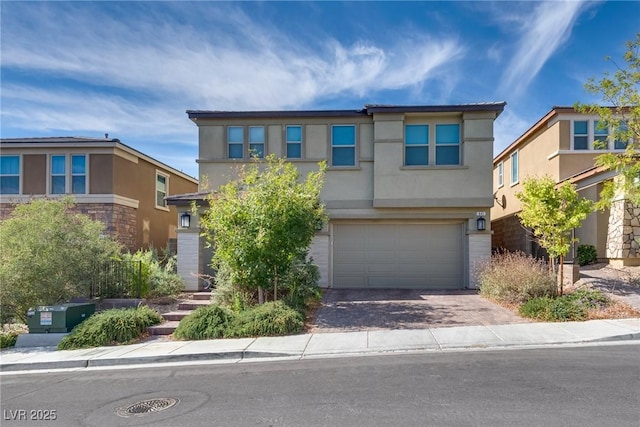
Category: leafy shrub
[587,254]
[47,253]
[9,334]
[207,322]
[574,306]
[300,285]
[230,295]
[159,277]
[269,319]
[115,326]
[515,278]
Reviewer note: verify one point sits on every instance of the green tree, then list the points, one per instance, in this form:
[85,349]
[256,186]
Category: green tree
[552,212]
[46,252]
[621,113]
[262,222]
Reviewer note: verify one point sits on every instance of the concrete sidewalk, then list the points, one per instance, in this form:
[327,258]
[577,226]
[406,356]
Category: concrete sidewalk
[324,345]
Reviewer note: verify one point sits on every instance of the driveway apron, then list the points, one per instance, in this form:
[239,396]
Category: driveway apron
[345,310]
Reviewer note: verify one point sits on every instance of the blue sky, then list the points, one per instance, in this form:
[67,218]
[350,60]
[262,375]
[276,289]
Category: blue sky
[132,69]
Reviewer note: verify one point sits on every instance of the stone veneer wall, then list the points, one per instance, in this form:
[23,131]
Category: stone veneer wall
[120,221]
[623,238]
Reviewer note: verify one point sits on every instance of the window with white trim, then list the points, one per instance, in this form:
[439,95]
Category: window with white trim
[9,174]
[581,135]
[256,141]
[600,136]
[162,186]
[500,174]
[294,141]
[343,145]
[235,142]
[78,174]
[58,172]
[448,144]
[621,140]
[514,168]
[416,145]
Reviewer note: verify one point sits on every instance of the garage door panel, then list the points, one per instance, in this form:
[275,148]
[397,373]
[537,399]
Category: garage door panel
[398,256]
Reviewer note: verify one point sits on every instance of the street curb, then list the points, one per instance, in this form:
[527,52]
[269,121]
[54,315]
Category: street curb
[169,358]
[623,337]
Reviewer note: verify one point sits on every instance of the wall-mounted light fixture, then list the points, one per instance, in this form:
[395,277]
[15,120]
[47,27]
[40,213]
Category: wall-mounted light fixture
[481,223]
[185,220]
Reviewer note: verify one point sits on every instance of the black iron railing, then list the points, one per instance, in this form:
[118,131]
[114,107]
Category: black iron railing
[116,279]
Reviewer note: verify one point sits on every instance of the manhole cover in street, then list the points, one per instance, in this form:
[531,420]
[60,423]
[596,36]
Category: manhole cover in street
[145,407]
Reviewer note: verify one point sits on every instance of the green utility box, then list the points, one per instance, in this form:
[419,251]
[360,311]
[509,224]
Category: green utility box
[58,318]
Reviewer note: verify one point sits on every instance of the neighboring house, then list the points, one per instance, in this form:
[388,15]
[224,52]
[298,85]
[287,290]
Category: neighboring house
[109,181]
[564,144]
[408,188]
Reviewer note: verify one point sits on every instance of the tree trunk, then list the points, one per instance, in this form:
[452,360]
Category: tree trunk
[260,295]
[561,274]
[275,284]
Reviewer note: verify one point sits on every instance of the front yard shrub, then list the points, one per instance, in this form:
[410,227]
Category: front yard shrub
[300,285]
[268,319]
[9,334]
[230,295]
[514,278]
[115,326]
[573,306]
[204,323]
[47,253]
[159,276]
[587,254]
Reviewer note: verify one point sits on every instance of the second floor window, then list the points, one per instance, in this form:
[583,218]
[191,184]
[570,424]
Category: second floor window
[581,135]
[500,174]
[161,190]
[621,141]
[235,140]
[600,136]
[79,174]
[343,145]
[256,141]
[416,145]
[294,142]
[448,144]
[58,174]
[9,174]
[514,168]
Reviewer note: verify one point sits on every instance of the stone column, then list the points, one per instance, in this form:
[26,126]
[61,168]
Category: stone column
[623,237]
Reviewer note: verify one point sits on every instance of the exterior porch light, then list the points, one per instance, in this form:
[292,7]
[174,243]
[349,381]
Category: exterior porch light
[481,223]
[185,220]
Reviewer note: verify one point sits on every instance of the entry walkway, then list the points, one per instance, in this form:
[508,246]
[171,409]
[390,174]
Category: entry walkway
[323,345]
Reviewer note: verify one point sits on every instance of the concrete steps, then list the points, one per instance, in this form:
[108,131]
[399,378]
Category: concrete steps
[173,318]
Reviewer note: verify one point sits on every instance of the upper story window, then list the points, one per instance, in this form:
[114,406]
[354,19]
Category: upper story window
[343,145]
[9,174]
[162,185]
[78,174]
[68,178]
[58,174]
[256,141]
[235,141]
[591,134]
[294,142]
[621,142]
[500,174]
[448,144]
[514,168]
[416,148]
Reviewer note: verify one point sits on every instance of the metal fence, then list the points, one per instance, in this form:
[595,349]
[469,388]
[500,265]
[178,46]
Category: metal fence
[117,279]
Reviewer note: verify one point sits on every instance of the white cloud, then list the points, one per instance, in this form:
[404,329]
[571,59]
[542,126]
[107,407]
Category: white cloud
[257,68]
[544,31]
[508,127]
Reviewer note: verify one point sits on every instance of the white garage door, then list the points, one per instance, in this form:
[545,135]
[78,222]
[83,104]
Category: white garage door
[427,256]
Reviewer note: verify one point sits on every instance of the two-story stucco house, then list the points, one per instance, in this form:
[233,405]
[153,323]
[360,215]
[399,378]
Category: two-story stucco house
[564,144]
[109,181]
[406,187]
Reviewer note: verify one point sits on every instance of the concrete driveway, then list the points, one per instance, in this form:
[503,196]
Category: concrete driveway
[345,310]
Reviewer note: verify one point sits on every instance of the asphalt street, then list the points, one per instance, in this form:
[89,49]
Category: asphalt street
[581,386]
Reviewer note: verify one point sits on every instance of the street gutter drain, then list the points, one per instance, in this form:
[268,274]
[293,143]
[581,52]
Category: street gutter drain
[146,407]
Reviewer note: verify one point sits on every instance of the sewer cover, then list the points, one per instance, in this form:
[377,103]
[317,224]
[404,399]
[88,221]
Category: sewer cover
[145,407]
